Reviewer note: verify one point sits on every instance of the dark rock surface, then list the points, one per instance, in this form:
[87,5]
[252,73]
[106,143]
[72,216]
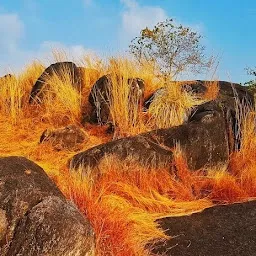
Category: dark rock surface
[35,218]
[233,98]
[204,140]
[99,100]
[100,97]
[229,93]
[58,68]
[227,230]
[70,137]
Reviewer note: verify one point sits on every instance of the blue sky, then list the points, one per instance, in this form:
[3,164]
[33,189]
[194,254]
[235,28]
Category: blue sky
[30,28]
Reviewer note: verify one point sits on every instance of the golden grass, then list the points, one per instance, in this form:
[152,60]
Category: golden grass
[125,200]
[62,99]
[125,115]
[172,106]
[212,90]
[11,94]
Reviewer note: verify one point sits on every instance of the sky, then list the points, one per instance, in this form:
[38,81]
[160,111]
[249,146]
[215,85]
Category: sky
[29,29]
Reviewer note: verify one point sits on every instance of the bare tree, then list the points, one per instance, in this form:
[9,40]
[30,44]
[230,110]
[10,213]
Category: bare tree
[174,48]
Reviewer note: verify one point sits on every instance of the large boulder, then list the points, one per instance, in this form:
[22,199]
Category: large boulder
[204,141]
[58,69]
[70,137]
[230,94]
[227,230]
[100,97]
[233,98]
[35,218]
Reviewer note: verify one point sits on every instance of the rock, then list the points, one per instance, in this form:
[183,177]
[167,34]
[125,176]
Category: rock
[158,93]
[226,230]
[233,99]
[196,87]
[232,94]
[204,141]
[99,100]
[36,94]
[70,137]
[40,220]
[228,93]
[100,97]
[53,227]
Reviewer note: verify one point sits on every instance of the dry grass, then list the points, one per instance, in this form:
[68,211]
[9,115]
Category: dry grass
[126,199]
[63,103]
[172,106]
[212,90]
[125,115]
[61,99]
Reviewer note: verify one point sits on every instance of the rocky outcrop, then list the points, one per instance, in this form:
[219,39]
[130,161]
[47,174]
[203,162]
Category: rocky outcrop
[227,230]
[100,97]
[35,218]
[230,94]
[210,134]
[233,98]
[204,141]
[58,69]
[70,137]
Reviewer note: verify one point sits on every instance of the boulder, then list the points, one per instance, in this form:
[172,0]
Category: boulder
[226,230]
[100,97]
[70,137]
[204,141]
[230,94]
[233,98]
[58,68]
[99,100]
[35,217]
[196,87]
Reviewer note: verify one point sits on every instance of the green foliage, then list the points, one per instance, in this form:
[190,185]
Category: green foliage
[174,48]
[252,83]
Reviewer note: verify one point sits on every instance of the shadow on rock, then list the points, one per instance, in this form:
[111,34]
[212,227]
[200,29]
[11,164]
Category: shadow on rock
[204,141]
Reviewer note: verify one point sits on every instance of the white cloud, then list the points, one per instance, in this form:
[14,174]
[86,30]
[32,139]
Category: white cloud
[14,57]
[66,52]
[136,17]
[17,60]
[11,31]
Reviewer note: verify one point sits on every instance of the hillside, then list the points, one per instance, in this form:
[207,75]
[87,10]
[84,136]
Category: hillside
[191,147]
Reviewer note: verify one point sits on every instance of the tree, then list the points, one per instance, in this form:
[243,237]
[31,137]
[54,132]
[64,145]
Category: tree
[252,83]
[174,48]
[251,72]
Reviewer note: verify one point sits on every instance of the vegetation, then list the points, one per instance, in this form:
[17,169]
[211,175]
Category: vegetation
[174,48]
[252,83]
[124,203]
